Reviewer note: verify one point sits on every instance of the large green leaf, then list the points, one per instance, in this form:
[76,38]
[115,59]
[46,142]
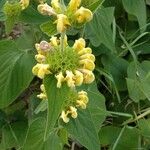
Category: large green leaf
[138,81]
[15,71]
[99,29]
[86,126]
[56,98]
[138,9]
[35,137]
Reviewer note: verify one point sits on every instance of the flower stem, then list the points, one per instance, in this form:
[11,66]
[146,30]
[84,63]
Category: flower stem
[62,41]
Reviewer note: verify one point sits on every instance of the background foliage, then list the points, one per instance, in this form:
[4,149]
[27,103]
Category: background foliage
[117,117]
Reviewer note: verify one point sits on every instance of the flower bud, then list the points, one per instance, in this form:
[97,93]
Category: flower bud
[79,44]
[45,9]
[62,23]
[83,15]
[64,116]
[24,4]
[60,78]
[73,5]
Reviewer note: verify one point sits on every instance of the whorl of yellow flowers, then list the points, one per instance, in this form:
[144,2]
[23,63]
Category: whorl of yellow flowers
[71,65]
[66,16]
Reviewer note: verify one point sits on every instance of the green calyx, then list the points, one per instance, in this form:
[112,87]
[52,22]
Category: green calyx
[60,61]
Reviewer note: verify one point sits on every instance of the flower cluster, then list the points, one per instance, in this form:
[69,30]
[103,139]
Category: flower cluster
[73,14]
[70,65]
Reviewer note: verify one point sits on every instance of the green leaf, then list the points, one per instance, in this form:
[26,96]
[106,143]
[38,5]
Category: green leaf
[56,98]
[15,71]
[138,9]
[35,137]
[87,133]
[32,16]
[138,81]
[49,28]
[92,4]
[144,126]
[13,135]
[99,29]
[117,67]
[128,139]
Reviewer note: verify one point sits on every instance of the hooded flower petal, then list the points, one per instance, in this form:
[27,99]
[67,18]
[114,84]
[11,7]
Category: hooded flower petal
[79,44]
[86,50]
[64,116]
[78,78]
[88,56]
[40,58]
[60,78]
[87,64]
[81,104]
[24,3]
[73,112]
[42,96]
[69,79]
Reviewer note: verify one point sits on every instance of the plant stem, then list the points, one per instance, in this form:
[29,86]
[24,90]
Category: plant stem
[62,41]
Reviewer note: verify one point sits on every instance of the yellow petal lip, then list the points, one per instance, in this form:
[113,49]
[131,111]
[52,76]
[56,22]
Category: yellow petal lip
[79,44]
[62,23]
[83,15]
[87,64]
[84,98]
[40,58]
[70,79]
[86,50]
[88,76]
[60,78]
[64,117]
[88,56]
[73,5]
[73,112]
[45,9]
[78,78]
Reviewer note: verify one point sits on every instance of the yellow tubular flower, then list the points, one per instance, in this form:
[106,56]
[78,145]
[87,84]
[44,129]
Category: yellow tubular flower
[24,4]
[62,23]
[81,104]
[83,15]
[86,50]
[87,64]
[45,9]
[78,78]
[41,70]
[73,112]
[42,88]
[54,41]
[69,79]
[88,56]
[42,96]
[79,44]
[83,98]
[88,76]
[40,58]
[64,116]
[60,78]
[73,5]
[56,5]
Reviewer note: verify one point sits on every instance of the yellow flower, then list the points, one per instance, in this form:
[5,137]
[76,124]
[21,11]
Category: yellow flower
[81,104]
[88,56]
[54,41]
[69,79]
[62,23]
[42,96]
[64,116]
[83,97]
[73,112]
[40,58]
[88,76]
[60,78]
[79,44]
[73,5]
[42,88]
[78,78]
[24,3]
[86,50]
[83,15]
[87,64]
[56,5]
[45,9]
[41,70]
